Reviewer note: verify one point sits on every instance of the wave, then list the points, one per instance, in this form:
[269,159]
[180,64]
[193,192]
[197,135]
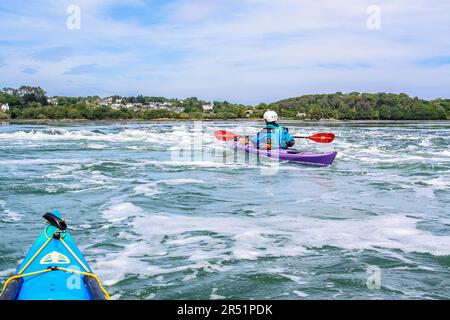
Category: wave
[210,242]
[151,189]
[8,214]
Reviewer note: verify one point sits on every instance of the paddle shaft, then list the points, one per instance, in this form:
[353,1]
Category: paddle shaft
[324,137]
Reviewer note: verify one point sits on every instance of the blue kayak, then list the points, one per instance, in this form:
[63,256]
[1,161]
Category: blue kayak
[54,269]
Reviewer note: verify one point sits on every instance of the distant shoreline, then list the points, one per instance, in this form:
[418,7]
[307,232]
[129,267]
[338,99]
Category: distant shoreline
[137,121]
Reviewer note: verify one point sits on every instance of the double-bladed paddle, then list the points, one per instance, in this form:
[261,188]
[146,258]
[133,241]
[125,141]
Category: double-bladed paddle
[323,137]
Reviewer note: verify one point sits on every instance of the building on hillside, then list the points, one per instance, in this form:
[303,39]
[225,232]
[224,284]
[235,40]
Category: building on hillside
[160,105]
[178,109]
[9,91]
[53,101]
[4,107]
[105,101]
[208,107]
[135,105]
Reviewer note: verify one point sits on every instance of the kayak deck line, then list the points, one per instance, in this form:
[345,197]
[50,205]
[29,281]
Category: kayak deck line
[50,269]
[23,286]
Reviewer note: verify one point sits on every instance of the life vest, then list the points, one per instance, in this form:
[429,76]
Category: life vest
[272,137]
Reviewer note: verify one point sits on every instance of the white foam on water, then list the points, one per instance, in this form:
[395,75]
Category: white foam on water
[188,240]
[42,161]
[300,294]
[8,214]
[126,135]
[425,193]
[261,236]
[190,277]
[296,279]
[63,171]
[51,189]
[244,245]
[176,182]
[148,189]
[442,182]
[7,272]
[96,146]
[167,235]
[425,268]
[136,147]
[115,267]
[151,296]
[187,163]
[426,142]
[151,188]
[120,211]
[204,242]
[153,136]
[215,296]
[96,178]
[392,159]
[445,153]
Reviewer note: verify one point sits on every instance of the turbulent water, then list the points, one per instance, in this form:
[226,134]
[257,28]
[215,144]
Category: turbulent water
[158,222]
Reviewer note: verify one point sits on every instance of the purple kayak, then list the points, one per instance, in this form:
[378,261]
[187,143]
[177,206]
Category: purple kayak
[305,157]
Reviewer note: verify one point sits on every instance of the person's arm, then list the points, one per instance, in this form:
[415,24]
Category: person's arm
[259,139]
[290,141]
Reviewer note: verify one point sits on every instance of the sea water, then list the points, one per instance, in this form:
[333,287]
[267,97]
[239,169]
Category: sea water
[156,225]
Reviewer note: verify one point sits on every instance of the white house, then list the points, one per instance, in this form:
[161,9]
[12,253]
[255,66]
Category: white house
[208,107]
[53,101]
[178,109]
[160,105]
[4,107]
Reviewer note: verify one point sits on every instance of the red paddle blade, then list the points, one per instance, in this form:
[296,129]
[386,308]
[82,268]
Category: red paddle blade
[323,137]
[224,135]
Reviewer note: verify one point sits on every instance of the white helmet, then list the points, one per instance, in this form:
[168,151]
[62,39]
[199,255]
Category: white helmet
[270,116]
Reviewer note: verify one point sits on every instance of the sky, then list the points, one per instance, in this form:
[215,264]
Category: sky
[246,51]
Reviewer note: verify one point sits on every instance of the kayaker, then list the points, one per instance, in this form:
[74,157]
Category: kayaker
[274,135]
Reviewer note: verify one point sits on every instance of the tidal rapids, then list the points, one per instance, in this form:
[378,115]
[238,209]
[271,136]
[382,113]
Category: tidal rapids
[156,223]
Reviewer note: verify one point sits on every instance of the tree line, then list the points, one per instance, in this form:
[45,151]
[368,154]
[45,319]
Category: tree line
[364,106]
[29,102]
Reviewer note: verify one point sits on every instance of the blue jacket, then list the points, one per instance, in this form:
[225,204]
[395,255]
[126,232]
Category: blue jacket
[273,134]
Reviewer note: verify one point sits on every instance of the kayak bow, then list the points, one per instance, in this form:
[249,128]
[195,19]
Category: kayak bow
[54,269]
